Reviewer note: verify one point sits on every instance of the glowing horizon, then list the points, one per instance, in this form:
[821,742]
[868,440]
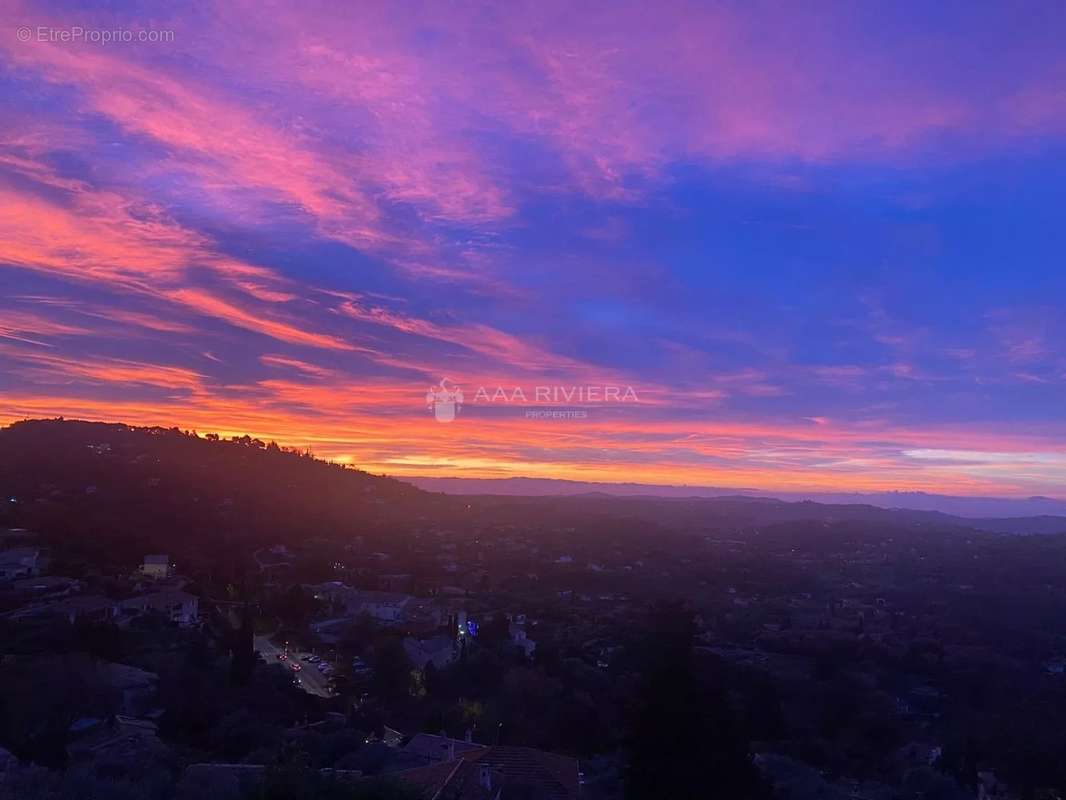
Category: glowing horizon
[824,251]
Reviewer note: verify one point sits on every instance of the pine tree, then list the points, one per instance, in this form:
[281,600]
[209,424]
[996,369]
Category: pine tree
[683,741]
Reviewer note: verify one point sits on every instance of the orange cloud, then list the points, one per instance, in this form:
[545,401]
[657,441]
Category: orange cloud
[211,306]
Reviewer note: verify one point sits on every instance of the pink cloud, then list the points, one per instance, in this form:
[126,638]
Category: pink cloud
[203,303]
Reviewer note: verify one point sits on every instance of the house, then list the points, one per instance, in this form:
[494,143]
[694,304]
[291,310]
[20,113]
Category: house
[429,748]
[395,583]
[381,606]
[156,566]
[385,607]
[120,741]
[12,570]
[440,651]
[91,608]
[331,631]
[20,562]
[332,592]
[180,607]
[248,776]
[520,640]
[136,687]
[1056,666]
[428,615]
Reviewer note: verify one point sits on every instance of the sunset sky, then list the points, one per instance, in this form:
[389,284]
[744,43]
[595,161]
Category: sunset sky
[823,244]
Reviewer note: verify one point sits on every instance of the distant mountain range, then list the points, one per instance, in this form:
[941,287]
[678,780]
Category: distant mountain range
[127,491]
[960,506]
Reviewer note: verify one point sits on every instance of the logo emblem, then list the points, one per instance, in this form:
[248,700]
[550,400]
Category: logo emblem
[444,400]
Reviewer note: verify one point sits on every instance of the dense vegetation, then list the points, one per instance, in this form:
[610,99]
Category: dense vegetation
[139,490]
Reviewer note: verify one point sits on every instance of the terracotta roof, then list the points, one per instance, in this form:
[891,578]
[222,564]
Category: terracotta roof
[548,775]
[428,781]
[518,771]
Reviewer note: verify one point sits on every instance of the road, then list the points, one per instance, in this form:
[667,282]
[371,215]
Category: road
[311,680]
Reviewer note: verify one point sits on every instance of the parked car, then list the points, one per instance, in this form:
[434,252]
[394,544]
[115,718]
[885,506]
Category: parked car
[360,667]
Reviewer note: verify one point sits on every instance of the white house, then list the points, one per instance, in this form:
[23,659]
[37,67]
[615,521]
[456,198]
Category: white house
[380,606]
[520,640]
[156,566]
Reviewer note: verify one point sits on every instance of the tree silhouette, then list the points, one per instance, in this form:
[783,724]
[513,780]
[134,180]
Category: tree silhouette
[391,681]
[683,741]
[242,662]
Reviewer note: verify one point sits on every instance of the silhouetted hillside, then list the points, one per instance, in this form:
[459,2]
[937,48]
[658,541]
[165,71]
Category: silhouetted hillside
[121,491]
[145,489]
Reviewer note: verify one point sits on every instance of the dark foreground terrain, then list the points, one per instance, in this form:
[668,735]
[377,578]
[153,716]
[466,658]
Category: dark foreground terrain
[471,646]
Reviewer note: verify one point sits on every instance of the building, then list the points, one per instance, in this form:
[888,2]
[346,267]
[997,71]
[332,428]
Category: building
[156,566]
[114,743]
[135,687]
[384,607]
[478,772]
[395,583]
[20,562]
[91,608]
[381,606]
[427,748]
[331,631]
[332,592]
[12,570]
[440,651]
[180,607]
[520,640]
[238,777]
[425,616]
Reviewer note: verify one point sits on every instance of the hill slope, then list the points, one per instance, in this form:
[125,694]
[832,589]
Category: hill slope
[147,489]
[123,492]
